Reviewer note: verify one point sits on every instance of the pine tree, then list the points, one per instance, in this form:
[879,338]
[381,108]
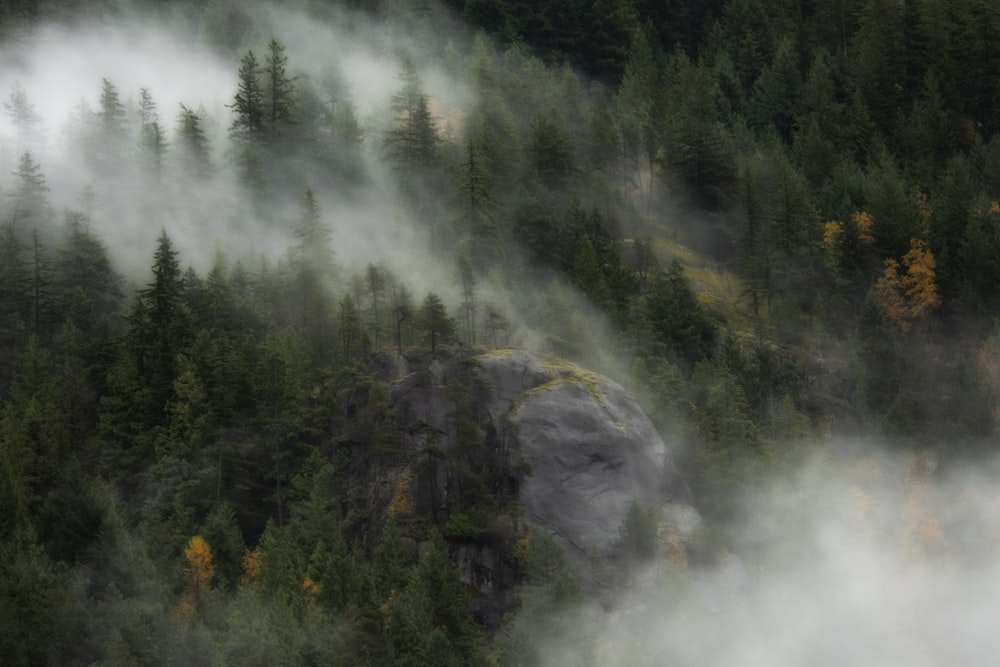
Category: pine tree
[192,145]
[698,147]
[43,307]
[88,290]
[279,92]
[434,322]
[30,203]
[249,104]
[774,101]
[352,337]
[678,320]
[111,141]
[638,112]
[312,235]
[15,287]
[25,118]
[477,232]
[470,307]
[152,143]
[549,150]
[158,329]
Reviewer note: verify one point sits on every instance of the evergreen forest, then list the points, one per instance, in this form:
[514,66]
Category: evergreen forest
[224,224]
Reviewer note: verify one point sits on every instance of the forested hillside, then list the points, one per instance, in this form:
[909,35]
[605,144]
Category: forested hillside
[225,227]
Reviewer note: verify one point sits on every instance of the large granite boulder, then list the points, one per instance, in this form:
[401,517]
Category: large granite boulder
[591,450]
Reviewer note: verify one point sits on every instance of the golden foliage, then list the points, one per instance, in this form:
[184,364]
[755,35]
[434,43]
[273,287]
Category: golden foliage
[200,569]
[198,572]
[833,231]
[909,291]
[402,503]
[251,566]
[863,223]
[310,591]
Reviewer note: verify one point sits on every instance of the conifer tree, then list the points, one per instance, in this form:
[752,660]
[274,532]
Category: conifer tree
[109,147]
[158,327]
[30,203]
[249,104]
[434,322]
[152,142]
[478,232]
[192,144]
[278,92]
[25,118]
[637,109]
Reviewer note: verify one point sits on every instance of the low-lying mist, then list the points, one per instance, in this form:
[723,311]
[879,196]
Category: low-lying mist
[60,70]
[876,558]
[880,560]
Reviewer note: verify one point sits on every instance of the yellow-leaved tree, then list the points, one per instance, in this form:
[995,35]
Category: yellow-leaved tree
[908,291]
[198,575]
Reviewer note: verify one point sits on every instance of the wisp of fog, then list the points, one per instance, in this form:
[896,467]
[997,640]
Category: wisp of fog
[882,561]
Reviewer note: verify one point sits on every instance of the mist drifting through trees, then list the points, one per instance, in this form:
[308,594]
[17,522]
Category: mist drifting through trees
[230,232]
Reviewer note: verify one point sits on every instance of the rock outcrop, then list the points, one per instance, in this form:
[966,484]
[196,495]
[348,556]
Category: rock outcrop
[591,450]
[582,454]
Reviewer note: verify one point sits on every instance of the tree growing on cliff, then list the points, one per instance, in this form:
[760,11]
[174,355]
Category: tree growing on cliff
[434,322]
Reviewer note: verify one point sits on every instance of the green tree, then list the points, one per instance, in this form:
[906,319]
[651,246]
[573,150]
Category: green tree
[109,143]
[477,234]
[152,142]
[30,203]
[679,322]
[587,272]
[877,60]
[249,103]
[279,91]
[434,322]
[24,117]
[15,291]
[158,330]
[638,111]
[353,340]
[281,387]
[548,150]
[312,264]
[698,147]
[470,306]
[88,289]
[775,96]
[188,414]
[43,301]
[192,144]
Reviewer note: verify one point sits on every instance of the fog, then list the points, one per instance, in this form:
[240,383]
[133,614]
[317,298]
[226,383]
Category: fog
[879,559]
[885,560]
[61,67]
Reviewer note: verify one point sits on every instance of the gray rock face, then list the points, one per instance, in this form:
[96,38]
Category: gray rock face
[592,450]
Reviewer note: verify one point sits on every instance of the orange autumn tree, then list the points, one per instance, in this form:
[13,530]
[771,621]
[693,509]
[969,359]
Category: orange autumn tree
[198,574]
[909,291]
[860,226]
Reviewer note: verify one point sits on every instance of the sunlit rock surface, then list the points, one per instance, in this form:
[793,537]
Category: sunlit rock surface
[592,451]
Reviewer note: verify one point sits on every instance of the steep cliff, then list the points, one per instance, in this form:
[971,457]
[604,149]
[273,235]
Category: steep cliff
[590,449]
[499,442]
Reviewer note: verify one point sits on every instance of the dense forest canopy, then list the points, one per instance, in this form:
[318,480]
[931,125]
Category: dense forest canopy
[220,223]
